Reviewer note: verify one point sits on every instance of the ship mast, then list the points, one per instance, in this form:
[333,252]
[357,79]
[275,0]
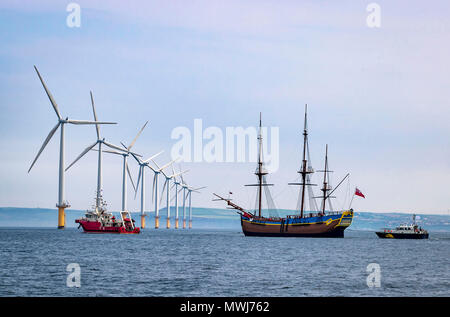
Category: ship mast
[325,184]
[260,171]
[304,170]
[326,187]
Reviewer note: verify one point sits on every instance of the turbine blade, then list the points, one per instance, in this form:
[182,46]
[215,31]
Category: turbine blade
[82,154]
[47,139]
[108,151]
[112,152]
[174,174]
[95,116]
[139,179]
[157,166]
[114,146]
[53,102]
[152,157]
[89,122]
[165,175]
[139,133]
[129,175]
[162,193]
[179,173]
[153,189]
[168,164]
[136,158]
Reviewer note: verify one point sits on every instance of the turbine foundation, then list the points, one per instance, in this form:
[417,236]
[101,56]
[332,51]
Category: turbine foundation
[61,218]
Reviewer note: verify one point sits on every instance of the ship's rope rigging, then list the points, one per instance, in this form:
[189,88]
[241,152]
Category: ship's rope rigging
[271,208]
[312,201]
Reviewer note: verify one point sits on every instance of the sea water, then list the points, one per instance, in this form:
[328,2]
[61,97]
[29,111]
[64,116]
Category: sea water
[190,263]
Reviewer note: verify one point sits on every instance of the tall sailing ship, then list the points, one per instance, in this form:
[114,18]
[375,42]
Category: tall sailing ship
[318,222]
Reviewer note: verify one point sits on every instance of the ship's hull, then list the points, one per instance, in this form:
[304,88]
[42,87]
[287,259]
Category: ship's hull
[96,227]
[328,226]
[392,235]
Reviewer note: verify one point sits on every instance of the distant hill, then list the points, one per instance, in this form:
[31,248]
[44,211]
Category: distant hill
[208,218]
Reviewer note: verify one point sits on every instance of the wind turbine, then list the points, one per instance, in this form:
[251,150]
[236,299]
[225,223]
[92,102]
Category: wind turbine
[184,186]
[176,183]
[126,169]
[62,204]
[190,190]
[167,183]
[142,164]
[100,141]
[155,188]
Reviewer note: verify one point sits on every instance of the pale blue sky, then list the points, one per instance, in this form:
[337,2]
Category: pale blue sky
[378,97]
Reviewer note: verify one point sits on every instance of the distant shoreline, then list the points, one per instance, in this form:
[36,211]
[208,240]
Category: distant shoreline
[293,211]
[214,219]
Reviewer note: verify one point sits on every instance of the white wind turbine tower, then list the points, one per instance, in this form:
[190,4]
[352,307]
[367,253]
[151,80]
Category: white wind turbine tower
[167,186]
[184,186]
[142,164]
[62,204]
[176,183]
[190,190]
[155,188]
[100,141]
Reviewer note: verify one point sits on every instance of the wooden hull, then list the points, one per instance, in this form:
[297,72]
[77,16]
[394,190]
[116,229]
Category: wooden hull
[329,226]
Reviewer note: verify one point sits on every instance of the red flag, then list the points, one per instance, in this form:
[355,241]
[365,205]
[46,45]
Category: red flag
[359,193]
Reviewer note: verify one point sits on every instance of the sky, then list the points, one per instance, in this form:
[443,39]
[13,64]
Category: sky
[378,96]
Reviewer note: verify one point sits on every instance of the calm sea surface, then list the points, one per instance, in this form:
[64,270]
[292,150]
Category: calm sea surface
[188,263]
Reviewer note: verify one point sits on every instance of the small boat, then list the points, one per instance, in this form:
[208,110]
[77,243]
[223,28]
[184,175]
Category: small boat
[404,231]
[99,220]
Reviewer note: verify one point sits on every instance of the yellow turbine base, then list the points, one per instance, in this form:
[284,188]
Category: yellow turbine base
[61,218]
[190,224]
[142,222]
[168,223]
[176,223]
[156,222]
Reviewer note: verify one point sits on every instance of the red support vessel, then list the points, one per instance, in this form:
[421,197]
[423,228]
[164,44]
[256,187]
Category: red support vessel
[101,221]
